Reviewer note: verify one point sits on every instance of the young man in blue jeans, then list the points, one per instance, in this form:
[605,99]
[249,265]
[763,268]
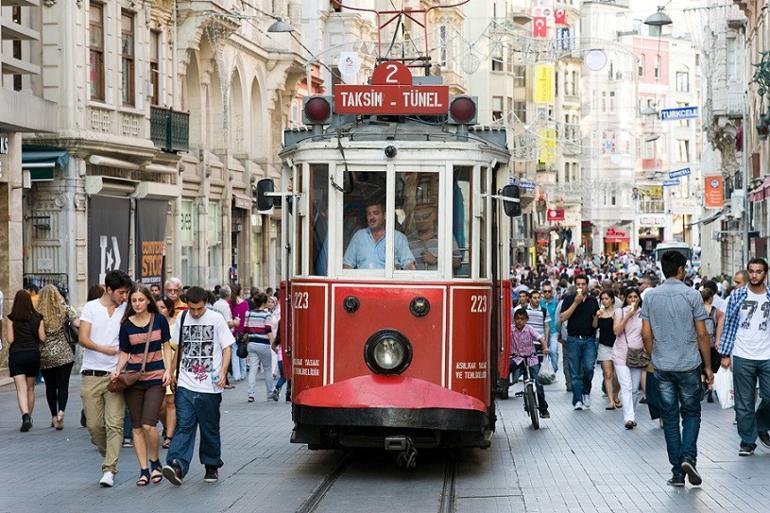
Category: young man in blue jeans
[204,347]
[674,332]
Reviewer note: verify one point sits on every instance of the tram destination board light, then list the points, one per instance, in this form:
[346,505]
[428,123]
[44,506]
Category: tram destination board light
[317,110]
[462,110]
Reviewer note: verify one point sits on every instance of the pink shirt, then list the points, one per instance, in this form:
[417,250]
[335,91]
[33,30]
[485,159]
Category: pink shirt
[632,337]
[523,344]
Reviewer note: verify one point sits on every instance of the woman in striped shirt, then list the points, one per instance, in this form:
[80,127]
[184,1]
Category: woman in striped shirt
[261,346]
[145,397]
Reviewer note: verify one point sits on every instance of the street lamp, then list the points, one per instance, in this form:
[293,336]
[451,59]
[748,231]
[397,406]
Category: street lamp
[280,26]
[659,18]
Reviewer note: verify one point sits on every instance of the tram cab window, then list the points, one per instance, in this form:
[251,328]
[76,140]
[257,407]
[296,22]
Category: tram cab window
[364,224]
[319,219]
[417,215]
[461,218]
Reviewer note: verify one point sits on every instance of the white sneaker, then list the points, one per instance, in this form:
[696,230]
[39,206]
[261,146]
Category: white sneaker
[578,406]
[107,480]
[586,401]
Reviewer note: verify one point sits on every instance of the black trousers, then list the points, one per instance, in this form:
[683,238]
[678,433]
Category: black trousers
[57,383]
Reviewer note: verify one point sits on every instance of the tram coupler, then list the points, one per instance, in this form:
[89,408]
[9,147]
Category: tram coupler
[407,452]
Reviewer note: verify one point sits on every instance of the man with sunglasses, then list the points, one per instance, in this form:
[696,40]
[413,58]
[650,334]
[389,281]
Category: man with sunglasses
[550,303]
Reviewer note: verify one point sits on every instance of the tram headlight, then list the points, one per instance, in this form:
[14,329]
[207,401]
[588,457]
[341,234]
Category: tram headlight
[388,352]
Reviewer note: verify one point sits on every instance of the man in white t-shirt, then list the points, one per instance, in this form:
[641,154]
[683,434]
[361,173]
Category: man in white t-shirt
[746,337]
[205,346]
[99,329]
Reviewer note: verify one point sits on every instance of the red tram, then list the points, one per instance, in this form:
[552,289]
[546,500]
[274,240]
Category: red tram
[396,266]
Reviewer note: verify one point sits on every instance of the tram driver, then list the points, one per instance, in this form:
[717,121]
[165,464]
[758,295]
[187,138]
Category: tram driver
[367,247]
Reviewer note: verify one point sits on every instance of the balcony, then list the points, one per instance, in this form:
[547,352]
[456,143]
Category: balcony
[170,129]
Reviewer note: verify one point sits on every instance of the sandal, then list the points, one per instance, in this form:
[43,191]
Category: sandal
[166,442]
[157,472]
[144,477]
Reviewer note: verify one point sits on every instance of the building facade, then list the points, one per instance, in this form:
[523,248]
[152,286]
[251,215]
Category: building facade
[169,113]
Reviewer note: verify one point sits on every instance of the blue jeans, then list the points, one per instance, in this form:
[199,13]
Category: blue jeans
[195,409]
[745,375]
[281,376]
[553,349]
[127,433]
[680,392]
[581,358]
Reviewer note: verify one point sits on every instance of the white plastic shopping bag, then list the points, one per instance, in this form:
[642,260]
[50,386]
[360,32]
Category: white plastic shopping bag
[723,386]
[546,376]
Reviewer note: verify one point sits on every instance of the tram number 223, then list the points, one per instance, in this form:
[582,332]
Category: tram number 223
[300,301]
[478,304]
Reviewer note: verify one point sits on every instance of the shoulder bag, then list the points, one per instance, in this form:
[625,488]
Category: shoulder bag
[126,378]
[635,358]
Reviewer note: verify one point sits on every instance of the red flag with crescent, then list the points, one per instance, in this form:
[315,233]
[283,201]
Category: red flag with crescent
[539,28]
[560,16]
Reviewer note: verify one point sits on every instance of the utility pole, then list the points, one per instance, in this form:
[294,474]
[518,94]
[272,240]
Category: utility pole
[745,182]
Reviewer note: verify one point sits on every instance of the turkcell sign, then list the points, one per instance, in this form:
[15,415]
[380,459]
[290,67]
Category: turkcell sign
[670,183]
[679,113]
[529,186]
[391,92]
[685,171]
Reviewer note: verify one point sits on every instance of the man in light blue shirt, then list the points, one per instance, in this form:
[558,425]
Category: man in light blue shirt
[367,247]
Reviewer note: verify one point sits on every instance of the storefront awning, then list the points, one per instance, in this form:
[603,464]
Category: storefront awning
[708,219]
[41,161]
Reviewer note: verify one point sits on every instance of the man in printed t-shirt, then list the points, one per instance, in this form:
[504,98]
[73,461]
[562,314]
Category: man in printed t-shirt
[205,346]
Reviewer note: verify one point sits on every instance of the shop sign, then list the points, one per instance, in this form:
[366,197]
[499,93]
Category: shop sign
[671,183]
[714,188]
[615,235]
[186,220]
[555,214]
[652,220]
[391,92]
[150,241]
[4,144]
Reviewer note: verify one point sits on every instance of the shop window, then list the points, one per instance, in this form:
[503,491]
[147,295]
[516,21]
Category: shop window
[214,238]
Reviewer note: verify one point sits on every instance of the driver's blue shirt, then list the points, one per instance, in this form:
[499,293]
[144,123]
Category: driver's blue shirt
[364,252]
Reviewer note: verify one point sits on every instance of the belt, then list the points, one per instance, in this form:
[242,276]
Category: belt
[581,337]
[95,372]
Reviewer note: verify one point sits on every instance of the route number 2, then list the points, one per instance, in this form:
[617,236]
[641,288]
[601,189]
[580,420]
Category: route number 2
[300,300]
[478,304]
[392,68]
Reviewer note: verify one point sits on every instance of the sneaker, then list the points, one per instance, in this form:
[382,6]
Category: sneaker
[545,415]
[275,395]
[747,449]
[173,473]
[107,480]
[586,401]
[251,398]
[630,424]
[643,400]
[692,473]
[212,474]
[677,481]
[26,423]
[578,406]
[128,443]
[288,398]
[764,438]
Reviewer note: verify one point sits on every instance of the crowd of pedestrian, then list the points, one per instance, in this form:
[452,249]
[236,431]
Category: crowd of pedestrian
[148,356]
[659,332]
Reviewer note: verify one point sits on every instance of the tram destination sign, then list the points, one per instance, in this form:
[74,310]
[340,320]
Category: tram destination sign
[689,112]
[391,93]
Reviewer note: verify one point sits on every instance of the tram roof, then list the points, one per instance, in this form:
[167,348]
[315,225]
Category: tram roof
[405,129]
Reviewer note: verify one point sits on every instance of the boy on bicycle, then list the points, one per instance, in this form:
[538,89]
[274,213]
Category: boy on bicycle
[523,351]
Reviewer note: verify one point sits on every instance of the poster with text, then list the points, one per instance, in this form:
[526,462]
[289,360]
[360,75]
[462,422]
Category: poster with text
[150,241]
[108,229]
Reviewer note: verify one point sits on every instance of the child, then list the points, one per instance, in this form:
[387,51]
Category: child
[523,340]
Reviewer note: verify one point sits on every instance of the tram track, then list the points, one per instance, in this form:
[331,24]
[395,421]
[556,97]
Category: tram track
[446,499]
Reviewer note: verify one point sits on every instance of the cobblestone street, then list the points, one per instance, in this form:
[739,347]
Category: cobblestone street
[578,461]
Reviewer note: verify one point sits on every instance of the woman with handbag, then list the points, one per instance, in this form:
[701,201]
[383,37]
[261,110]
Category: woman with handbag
[56,355]
[628,354]
[144,351]
[25,332]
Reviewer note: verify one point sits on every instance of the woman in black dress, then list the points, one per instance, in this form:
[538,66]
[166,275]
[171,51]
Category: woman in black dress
[25,333]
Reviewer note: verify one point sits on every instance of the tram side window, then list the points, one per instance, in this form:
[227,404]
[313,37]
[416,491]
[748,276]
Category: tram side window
[319,219]
[416,216]
[461,218]
[483,225]
[300,227]
[363,220]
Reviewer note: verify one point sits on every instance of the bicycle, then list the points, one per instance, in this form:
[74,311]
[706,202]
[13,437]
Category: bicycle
[530,389]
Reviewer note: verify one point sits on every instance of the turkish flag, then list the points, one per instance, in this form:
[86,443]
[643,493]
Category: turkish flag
[560,16]
[539,27]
